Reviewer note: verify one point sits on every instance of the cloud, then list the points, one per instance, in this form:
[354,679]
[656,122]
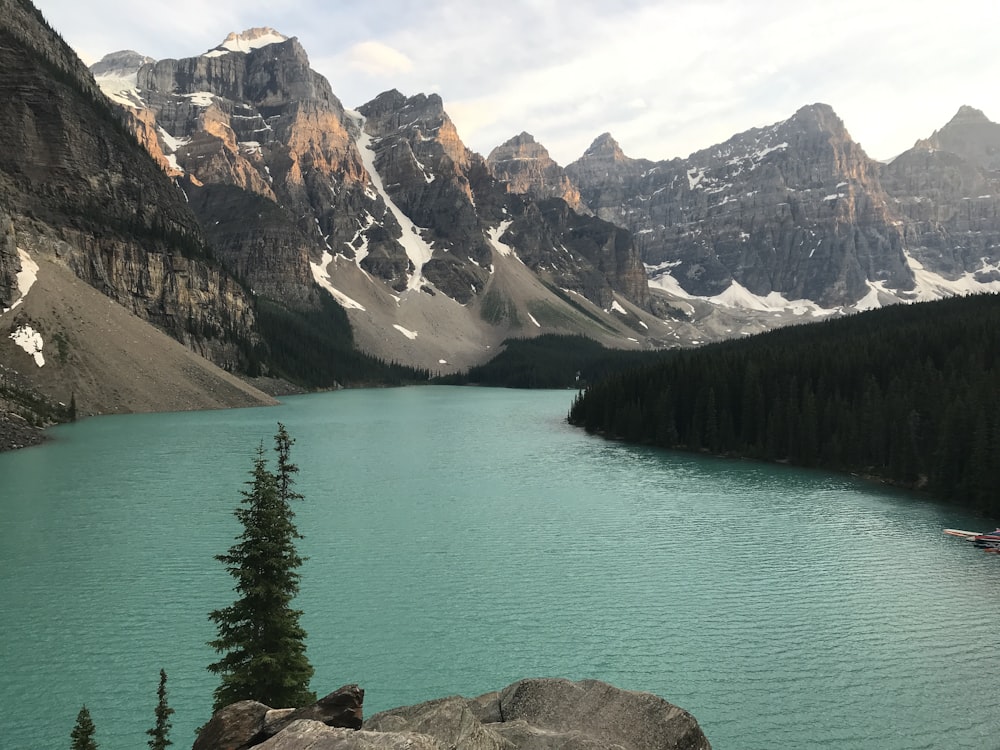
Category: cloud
[377,59]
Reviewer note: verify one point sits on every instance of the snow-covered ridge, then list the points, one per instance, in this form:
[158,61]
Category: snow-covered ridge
[246,41]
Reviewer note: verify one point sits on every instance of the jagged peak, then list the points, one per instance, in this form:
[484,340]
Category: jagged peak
[605,145]
[121,63]
[819,115]
[247,40]
[521,146]
[967,115]
[520,141]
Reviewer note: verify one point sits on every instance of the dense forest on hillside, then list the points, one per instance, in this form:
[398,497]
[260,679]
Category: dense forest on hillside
[549,361]
[908,394]
[315,349]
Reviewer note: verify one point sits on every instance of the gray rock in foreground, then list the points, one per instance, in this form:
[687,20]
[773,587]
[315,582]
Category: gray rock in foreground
[532,714]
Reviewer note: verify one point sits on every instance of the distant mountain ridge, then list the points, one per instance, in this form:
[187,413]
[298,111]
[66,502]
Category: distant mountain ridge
[798,212]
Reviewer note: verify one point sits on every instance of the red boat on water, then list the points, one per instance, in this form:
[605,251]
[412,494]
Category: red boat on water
[990,541]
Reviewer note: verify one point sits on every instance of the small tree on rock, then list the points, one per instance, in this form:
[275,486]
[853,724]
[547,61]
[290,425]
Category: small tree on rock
[159,734]
[259,635]
[82,735]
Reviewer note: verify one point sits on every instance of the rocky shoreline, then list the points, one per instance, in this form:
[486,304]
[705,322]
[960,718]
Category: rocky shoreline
[16,432]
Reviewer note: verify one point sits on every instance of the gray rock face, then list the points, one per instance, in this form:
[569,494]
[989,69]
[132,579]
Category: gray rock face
[314,735]
[543,714]
[10,262]
[795,208]
[594,257]
[971,135]
[947,190]
[533,714]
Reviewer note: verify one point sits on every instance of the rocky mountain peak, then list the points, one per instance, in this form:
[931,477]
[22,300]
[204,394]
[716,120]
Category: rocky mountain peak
[526,167]
[387,101]
[971,135]
[521,146]
[247,40]
[121,64]
[604,146]
[820,117]
[967,114]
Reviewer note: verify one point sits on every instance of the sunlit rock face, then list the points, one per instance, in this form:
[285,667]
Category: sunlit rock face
[251,115]
[526,167]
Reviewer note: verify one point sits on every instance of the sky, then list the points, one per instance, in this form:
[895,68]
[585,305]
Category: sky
[665,78]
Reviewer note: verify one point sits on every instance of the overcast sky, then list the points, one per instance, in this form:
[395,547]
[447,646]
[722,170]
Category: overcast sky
[664,78]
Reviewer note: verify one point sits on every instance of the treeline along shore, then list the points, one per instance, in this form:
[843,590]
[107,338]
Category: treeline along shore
[908,395]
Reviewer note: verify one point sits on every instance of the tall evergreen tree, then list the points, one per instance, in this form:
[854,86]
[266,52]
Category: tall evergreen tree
[83,732]
[259,635]
[159,734]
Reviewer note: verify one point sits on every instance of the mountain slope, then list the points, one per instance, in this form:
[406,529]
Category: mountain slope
[77,193]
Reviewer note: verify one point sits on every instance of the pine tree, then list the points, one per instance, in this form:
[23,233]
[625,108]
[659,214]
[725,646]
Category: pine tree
[259,635]
[159,734]
[83,732]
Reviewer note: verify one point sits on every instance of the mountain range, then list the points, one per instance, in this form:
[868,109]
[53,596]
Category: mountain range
[230,202]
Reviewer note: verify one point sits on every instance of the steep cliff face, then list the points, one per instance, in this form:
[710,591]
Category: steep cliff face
[456,199]
[579,253]
[10,262]
[947,188]
[795,208]
[525,165]
[79,189]
[428,174]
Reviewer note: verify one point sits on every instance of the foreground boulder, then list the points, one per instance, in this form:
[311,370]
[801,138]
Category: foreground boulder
[248,723]
[544,714]
[532,714]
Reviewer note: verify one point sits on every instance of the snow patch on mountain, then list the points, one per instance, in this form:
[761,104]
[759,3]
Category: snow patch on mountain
[31,341]
[359,242]
[322,278]
[494,236]
[201,98]
[26,278]
[122,89]
[417,249]
[246,41]
[932,286]
[737,296]
[406,332]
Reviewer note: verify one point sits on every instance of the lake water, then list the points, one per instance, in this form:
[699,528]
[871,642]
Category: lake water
[461,539]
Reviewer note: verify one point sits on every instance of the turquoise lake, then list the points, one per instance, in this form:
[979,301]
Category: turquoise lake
[461,539]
